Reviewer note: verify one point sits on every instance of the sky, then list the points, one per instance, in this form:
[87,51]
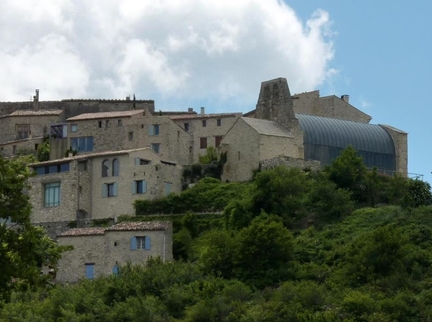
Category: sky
[194,53]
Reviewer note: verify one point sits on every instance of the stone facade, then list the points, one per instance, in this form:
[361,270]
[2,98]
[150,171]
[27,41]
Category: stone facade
[99,185]
[204,130]
[289,163]
[102,251]
[400,140]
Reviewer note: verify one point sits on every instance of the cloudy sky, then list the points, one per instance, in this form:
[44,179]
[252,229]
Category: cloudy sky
[194,53]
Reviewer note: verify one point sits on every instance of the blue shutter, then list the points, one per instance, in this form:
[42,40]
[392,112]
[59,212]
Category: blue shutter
[115,189]
[151,130]
[133,243]
[134,187]
[147,242]
[90,143]
[137,161]
[144,186]
[89,271]
[104,190]
[167,188]
[115,270]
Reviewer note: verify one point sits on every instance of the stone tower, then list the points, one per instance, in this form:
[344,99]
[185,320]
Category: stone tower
[276,104]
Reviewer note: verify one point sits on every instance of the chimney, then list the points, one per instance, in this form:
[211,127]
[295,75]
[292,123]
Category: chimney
[202,110]
[36,97]
[190,110]
[128,98]
[345,98]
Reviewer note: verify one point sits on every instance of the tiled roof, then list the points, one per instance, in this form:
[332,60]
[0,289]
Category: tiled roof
[105,115]
[36,113]
[124,226]
[266,127]
[139,225]
[83,231]
[202,116]
[87,156]
[22,140]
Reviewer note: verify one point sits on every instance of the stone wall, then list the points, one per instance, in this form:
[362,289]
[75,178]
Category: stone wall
[75,107]
[12,148]
[289,163]
[110,249]
[400,140]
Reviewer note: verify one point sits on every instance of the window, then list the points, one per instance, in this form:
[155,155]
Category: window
[100,124]
[140,242]
[109,190]
[154,129]
[186,127]
[23,131]
[219,122]
[115,168]
[139,186]
[167,188]
[218,140]
[119,123]
[130,136]
[55,168]
[155,147]
[139,161]
[52,194]
[203,143]
[204,123]
[74,128]
[107,123]
[89,271]
[82,144]
[115,270]
[105,168]
[82,165]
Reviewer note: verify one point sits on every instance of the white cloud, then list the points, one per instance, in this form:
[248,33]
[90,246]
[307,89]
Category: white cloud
[167,49]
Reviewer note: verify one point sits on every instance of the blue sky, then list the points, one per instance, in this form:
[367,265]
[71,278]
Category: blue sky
[194,53]
[383,51]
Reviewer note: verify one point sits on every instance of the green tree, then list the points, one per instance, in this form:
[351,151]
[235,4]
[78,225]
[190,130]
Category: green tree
[24,248]
[43,150]
[348,172]
[263,251]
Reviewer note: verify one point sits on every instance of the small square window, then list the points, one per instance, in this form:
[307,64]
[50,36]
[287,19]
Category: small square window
[74,128]
[155,147]
[219,122]
[204,123]
[186,127]
[100,124]
[130,136]
[109,190]
[140,242]
[203,143]
[139,186]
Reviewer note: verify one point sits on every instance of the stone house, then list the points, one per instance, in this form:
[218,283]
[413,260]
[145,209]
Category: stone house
[99,185]
[204,130]
[132,129]
[102,251]
[25,130]
[320,137]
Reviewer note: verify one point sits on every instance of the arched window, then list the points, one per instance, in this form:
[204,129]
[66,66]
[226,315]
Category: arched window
[115,167]
[105,168]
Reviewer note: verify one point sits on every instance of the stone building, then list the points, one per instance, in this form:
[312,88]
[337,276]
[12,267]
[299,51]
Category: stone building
[102,251]
[328,126]
[24,130]
[204,130]
[132,129]
[99,185]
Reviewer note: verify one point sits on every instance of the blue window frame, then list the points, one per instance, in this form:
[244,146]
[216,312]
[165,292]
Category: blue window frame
[52,194]
[115,270]
[89,271]
[109,190]
[154,129]
[168,188]
[140,242]
[155,147]
[139,186]
[82,144]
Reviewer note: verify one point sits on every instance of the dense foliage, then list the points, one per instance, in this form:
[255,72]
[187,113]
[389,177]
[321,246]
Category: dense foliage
[343,244]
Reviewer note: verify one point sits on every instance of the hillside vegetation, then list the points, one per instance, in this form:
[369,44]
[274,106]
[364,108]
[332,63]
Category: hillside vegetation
[343,244]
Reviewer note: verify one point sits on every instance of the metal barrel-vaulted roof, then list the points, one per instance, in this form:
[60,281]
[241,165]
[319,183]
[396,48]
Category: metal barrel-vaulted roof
[325,138]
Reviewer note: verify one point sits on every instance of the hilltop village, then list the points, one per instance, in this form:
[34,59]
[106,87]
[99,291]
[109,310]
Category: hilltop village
[105,154]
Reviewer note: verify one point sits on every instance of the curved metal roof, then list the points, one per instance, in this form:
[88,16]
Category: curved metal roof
[324,138]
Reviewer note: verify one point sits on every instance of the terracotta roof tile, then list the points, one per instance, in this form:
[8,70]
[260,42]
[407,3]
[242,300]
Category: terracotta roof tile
[36,113]
[140,225]
[203,116]
[104,115]
[83,231]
